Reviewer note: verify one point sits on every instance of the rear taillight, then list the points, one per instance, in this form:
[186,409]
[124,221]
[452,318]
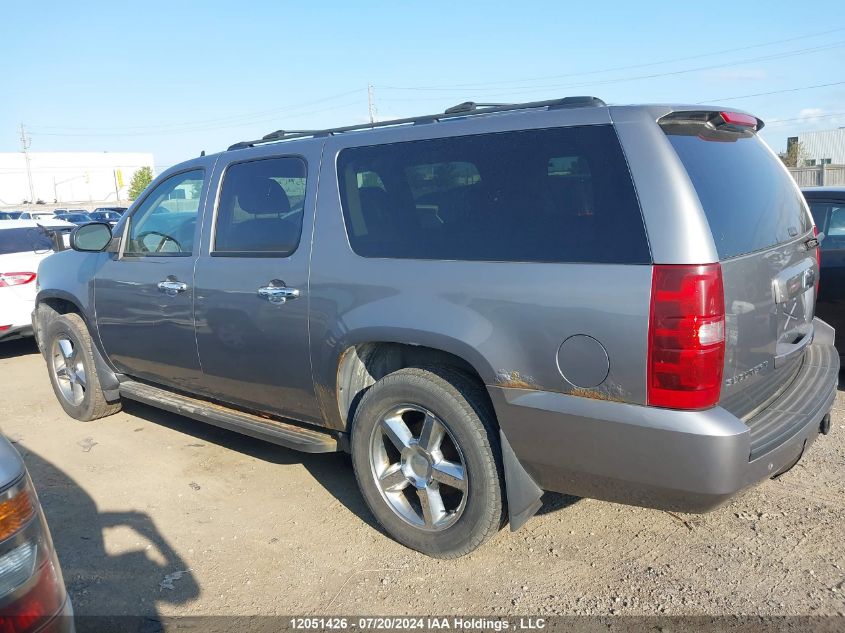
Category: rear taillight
[686,341]
[16,279]
[31,587]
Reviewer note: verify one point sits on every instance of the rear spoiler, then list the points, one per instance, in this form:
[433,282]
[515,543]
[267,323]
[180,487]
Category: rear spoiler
[715,119]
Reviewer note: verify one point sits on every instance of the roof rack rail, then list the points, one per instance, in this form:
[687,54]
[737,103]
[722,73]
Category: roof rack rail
[472,106]
[467,108]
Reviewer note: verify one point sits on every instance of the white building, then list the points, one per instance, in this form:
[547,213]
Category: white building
[67,177]
[825,147]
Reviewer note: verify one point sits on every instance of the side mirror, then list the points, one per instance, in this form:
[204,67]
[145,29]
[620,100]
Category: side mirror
[91,238]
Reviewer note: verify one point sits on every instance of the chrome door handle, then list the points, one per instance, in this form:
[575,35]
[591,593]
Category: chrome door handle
[171,287]
[278,294]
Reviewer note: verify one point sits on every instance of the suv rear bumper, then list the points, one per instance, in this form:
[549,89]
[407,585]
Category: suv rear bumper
[686,461]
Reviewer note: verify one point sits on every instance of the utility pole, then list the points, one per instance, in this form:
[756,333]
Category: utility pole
[371,103]
[25,143]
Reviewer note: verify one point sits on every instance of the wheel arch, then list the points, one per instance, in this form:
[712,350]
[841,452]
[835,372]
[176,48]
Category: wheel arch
[361,364]
[51,304]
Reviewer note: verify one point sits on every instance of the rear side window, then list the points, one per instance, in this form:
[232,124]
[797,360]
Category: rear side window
[23,240]
[261,207]
[553,195]
[830,218]
[749,199]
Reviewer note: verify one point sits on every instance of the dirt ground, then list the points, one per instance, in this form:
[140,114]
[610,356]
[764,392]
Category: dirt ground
[156,514]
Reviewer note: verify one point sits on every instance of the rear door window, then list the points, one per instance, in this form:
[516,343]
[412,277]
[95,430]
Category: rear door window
[551,195]
[750,201]
[261,208]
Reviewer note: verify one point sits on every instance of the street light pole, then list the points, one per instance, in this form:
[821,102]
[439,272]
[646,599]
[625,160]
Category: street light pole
[25,143]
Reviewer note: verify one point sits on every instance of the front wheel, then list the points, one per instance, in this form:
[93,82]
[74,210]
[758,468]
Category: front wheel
[70,363]
[427,460]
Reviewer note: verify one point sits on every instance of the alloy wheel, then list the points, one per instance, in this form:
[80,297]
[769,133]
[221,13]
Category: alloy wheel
[69,370]
[419,468]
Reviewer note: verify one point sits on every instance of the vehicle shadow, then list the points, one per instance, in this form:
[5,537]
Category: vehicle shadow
[105,588]
[18,347]
[332,470]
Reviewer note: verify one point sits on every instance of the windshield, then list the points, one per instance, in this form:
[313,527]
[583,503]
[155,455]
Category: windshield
[23,240]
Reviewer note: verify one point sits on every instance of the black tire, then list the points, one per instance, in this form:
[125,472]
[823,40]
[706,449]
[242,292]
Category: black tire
[463,408]
[93,405]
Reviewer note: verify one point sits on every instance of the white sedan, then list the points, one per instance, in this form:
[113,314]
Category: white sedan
[23,244]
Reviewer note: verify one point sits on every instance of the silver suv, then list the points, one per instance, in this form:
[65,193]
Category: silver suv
[608,301]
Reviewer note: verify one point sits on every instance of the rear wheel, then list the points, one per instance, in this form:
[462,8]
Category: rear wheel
[426,457]
[70,363]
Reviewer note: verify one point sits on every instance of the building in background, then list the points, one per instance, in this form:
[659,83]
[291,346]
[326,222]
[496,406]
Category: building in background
[825,147]
[67,177]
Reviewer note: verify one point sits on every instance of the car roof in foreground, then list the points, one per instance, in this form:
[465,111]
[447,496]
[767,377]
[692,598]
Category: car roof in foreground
[23,224]
[11,464]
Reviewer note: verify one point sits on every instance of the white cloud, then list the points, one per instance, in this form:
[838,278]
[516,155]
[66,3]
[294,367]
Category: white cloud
[810,113]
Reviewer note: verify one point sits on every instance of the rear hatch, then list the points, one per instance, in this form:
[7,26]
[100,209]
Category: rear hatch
[764,236]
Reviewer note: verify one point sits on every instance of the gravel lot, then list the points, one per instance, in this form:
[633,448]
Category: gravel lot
[156,514]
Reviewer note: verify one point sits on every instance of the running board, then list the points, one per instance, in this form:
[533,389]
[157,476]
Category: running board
[283,433]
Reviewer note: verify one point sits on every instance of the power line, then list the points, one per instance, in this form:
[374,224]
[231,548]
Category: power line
[499,84]
[830,115]
[773,92]
[198,128]
[246,117]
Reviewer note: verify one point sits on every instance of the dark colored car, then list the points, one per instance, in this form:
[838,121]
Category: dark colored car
[118,210]
[112,217]
[613,302]
[10,215]
[75,217]
[32,592]
[827,205]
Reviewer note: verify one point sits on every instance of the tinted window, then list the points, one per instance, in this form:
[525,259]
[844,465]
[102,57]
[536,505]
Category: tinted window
[23,240]
[749,199]
[556,195]
[830,219]
[165,222]
[261,207]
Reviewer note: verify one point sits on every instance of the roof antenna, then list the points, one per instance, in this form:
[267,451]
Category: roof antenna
[202,153]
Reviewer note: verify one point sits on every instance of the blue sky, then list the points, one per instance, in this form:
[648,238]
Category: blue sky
[176,77]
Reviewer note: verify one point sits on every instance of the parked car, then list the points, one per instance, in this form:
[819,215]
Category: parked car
[118,210]
[36,215]
[23,244]
[10,215]
[32,591]
[75,217]
[112,217]
[827,205]
[479,305]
